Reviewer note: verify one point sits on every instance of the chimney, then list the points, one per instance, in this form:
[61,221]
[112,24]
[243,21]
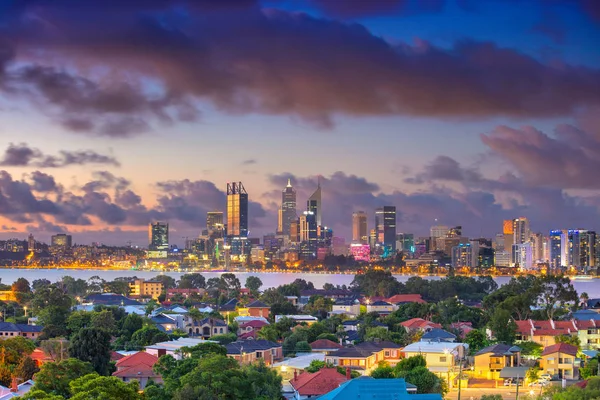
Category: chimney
[14,387]
[348,374]
[295,373]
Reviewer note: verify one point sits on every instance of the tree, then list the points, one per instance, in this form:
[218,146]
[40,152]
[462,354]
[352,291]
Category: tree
[54,378]
[253,283]
[192,281]
[93,346]
[117,287]
[491,397]
[556,291]
[21,285]
[265,382]
[56,348]
[39,283]
[79,320]
[131,324]
[167,281]
[26,369]
[503,326]
[590,369]
[95,387]
[531,349]
[476,340]
[383,371]
[568,339]
[269,332]
[303,347]
[224,338]
[147,336]
[103,320]
[377,333]
[74,287]
[230,283]
[377,283]
[316,365]
[533,374]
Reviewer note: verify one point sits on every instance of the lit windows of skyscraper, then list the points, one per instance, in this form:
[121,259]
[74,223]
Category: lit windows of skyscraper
[385,223]
[581,248]
[558,249]
[61,240]
[288,207]
[521,232]
[214,220]
[237,210]
[158,236]
[359,227]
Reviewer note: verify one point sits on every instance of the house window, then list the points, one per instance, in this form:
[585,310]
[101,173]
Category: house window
[443,359]
[387,353]
[361,363]
[259,354]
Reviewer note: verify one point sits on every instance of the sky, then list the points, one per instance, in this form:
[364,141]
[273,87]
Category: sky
[114,114]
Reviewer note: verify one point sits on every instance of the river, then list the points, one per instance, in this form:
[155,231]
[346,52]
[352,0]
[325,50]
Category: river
[269,279]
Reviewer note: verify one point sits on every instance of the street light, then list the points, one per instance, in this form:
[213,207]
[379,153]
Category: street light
[25,308]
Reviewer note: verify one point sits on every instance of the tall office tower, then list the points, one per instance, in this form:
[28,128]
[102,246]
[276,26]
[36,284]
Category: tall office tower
[438,231]
[214,220]
[537,247]
[373,239]
[279,230]
[521,232]
[31,243]
[558,249]
[158,236]
[308,227]
[237,210]
[522,255]
[288,207]
[359,227]
[508,231]
[314,204]
[385,223]
[295,231]
[405,242]
[581,248]
[62,240]
[465,255]
[499,244]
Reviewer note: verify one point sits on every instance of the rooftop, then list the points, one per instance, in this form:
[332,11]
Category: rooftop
[560,348]
[437,333]
[376,389]
[499,349]
[248,346]
[322,344]
[257,304]
[318,383]
[433,347]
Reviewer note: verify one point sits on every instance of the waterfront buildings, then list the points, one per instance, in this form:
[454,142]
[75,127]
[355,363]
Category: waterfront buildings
[237,210]
[143,288]
[61,240]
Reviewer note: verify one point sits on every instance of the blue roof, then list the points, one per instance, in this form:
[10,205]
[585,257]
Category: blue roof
[10,327]
[586,315]
[376,389]
[437,333]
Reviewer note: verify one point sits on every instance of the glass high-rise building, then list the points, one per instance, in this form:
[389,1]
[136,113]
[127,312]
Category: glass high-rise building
[288,208]
[558,249]
[237,210]
[360,234]
[385,223]
[521,232]
[314,204]
[158,236]
[62,240]
[214,220]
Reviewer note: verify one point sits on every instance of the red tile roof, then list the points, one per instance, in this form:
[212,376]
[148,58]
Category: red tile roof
[406,298]
[419,323]
[247,335]
[315,384]
[136,371]
[322,344]
[141,357]
[560,348]
[114,356]
[586,324]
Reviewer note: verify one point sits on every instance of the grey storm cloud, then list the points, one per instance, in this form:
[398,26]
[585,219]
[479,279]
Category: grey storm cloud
[158,64]
[22,155]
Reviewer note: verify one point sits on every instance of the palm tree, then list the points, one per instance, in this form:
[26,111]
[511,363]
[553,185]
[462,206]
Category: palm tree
[195,315]
[584,297]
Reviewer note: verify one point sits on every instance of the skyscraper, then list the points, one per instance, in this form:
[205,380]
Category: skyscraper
[508,231]
[521,232]
[558,249]
[237,210]
[385,223]
[158,236]
[314,204]
[214,220]
[359,227]
[581,248]
[288,207]
[61,240]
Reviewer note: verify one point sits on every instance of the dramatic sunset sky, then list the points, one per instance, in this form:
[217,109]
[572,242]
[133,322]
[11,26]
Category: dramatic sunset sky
[114,113]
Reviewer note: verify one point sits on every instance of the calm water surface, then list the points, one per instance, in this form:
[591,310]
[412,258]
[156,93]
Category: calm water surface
[8,276]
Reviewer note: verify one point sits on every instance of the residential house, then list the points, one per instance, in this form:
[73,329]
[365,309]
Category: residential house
[311,385]
[325,346]
[16,389]
[585,315]
[8,330]
[588,333]
[137,367]
[40,357]
[168,322]
[398,299]
[365,357]
[249,329]
[144,288]
[255,309]
[462,327]
[174,347]
[491,360]
[307,319]
[110,299]
[350,307]
[228,308]
[184,293]
[296,365]
[419,325]
[561,360]
[332,294]
[381,307]
[438,335]
[377,389]
[250,351]
[544,331]
[207,327]
[441,357]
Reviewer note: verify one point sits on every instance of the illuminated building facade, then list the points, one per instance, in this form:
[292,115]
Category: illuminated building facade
[62,240]
[288,208]
[237,210]
[360,234]
[158,236]
[465,255]
[360,252]
[385,223]
[558,249]
[313,204]
[214,220]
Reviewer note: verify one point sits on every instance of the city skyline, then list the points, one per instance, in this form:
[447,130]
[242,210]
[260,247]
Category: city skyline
[448,113]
